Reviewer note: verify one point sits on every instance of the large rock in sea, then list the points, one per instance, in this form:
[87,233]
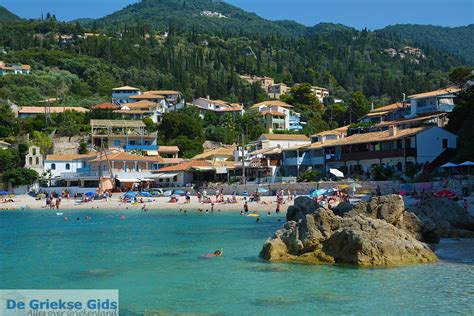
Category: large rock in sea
[362,236]
[448,217]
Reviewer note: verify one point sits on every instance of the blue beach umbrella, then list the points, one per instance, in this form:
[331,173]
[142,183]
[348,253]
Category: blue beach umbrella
[179,192]
[145,194]
[90,194]
[262,190]
[3,193]
[130,195]
[315,193]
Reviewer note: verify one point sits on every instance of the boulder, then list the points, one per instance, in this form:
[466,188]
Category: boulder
[342,208]
[448,218]
[301,207]
[373,242]
[389,208]
[317,235]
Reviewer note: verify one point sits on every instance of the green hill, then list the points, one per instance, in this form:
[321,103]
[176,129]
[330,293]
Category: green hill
[7,16]
[457,40]
[206,15]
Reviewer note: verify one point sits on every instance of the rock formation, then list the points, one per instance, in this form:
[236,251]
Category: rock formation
[376,233]
[448,218]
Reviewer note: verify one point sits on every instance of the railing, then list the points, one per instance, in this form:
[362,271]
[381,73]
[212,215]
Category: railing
[141,147]
[381,154]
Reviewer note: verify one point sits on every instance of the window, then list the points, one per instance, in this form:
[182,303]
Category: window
[34,151]
[31,160]
[37,161]
[68,166]
[445,143]
[53,166]
[117,143]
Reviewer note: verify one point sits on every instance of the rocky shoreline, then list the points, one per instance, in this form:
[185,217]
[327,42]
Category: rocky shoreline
[376,233]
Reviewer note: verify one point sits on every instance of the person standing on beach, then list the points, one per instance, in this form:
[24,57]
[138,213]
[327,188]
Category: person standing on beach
[246,207]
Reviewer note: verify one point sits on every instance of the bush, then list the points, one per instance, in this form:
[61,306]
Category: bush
[309,176]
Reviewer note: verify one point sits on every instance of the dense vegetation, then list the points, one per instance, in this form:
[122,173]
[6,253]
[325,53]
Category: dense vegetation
[457,40]
[7,16]
[203,56]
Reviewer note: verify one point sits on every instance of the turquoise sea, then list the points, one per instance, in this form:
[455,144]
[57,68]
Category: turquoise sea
[154,260]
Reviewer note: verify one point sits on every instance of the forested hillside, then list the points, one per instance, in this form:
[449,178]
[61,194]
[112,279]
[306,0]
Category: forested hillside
[209,16]
[199,64]
[457,40]
[7,16]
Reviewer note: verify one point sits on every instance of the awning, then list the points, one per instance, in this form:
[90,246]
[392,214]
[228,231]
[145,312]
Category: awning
[221,170]
[152,153]
[163,176]
[128,180]
[168,175]
[203,168]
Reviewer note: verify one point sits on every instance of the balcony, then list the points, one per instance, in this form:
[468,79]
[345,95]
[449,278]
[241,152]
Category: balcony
[264,163]
[141,147]
[409,152]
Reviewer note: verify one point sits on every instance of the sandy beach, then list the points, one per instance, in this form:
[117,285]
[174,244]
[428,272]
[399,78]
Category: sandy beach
[268,203]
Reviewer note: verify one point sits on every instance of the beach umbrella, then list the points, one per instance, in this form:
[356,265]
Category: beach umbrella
[356,185]
[130,195]
[90,194]
[467,164]
[337,173]
[179,192]
[3,193]
[145,194]
[331,190]
[262,190]
[157,192]
[449,165]
[168,193]
[343,186]
[315,193]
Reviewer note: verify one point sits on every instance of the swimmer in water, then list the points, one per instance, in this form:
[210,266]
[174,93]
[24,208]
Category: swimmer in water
[122,217]
[78,218]
[269,214]
[66,219]
[207,211]
[258,219]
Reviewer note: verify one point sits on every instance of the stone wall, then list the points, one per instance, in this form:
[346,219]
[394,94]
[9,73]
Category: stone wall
[387,187]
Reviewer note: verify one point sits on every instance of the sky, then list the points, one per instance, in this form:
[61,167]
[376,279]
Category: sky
[372,14]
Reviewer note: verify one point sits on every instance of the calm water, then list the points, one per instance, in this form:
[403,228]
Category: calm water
[153,259]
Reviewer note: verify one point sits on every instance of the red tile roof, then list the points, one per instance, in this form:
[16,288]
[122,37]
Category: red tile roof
[185,166]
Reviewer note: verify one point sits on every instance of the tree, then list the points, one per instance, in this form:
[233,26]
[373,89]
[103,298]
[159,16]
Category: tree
[82,148]
[461,75]
[8,122]
[151,126]
[183,129]
[42,140]
[460,123]
[20,176]
[304,100]
[9,159]
[358,106]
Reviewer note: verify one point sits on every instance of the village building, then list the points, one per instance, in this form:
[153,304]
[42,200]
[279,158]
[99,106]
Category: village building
[14,69]
[218,107]
[441,100]
[121,95]
[33,111]
[278,115]
[122,134]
